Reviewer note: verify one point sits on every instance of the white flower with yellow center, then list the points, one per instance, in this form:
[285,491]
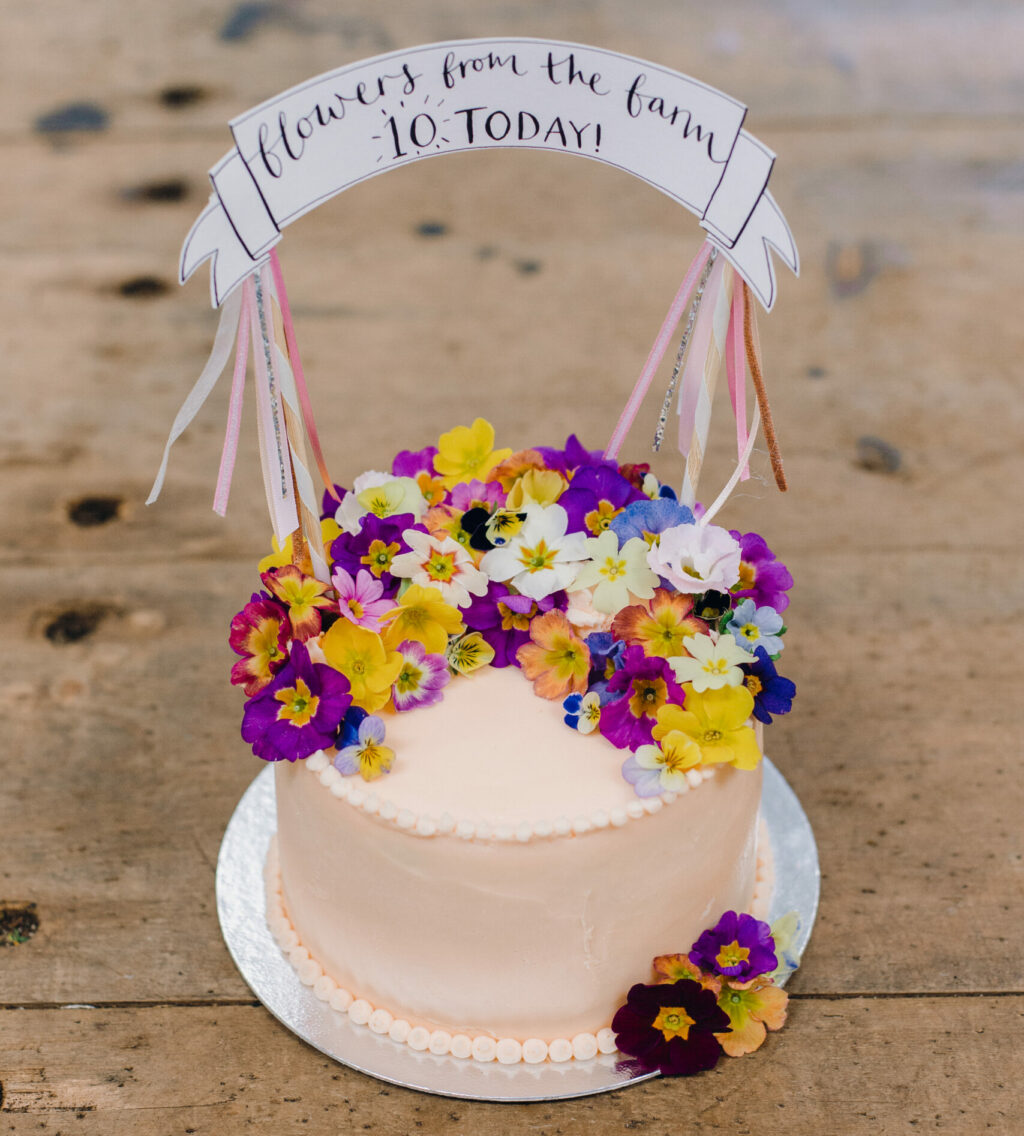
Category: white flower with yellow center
[381,494]
[619,576]
[441,563]
[710,664]
[541,558]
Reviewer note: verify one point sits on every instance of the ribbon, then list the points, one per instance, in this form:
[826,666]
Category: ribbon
[735,369]
[230,449]
[223,341]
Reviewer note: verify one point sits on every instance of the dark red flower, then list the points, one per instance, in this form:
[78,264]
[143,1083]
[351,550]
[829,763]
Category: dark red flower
[671,1027]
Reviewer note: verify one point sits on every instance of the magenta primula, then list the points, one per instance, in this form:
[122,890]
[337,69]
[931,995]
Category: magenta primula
[587,573]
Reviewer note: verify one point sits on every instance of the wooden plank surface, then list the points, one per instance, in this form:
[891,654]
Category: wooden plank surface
[893,366]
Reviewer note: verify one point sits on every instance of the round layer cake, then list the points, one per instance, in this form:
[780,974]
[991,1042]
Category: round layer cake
[504,880]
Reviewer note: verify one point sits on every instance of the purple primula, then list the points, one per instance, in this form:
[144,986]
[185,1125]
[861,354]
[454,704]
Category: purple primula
[421,679]
[763,579]
[646,518]
[636,692]
[409,463]
[671,1027]
[503,618]
[329,505]
[299,712]
[772,693]
[738,946]
[374,548]
[572,457]
[596,495]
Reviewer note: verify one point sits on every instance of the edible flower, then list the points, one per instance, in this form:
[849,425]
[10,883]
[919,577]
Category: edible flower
[710,665]
[468,653]
[754,626]
[556,660]
[381,495]
[440,563]
[421,679]
[738,946]
[583,711]
[753,1008]
[298,712]
[363,659]
[303,595]
[367,756]
[260,634]
[671,968]
[468,452]
[638,693]
[662,627]
[616,573]
[536,487]
[359,599]
[772,693]
[595,497]
[656,769]
[411,463]
[763,579]
[422,614]
[696,558]
[504,617]
[541,558]
[649,519]
[671,1027]
[717,721]
[374,547]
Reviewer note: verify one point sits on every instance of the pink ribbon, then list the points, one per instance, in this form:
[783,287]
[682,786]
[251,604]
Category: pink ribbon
[230,450]
[692,378]
[658,349]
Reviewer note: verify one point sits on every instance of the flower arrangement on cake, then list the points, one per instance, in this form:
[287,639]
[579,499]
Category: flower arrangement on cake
[658,632]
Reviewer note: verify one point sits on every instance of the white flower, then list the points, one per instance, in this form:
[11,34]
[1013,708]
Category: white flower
[540,559]
[713,665]
[616,573]
[382,494]
[697,558]
[440,563]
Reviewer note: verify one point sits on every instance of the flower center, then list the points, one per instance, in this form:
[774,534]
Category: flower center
[299,704]
[379,556]
[751,632]
[673,1021]
[712,736]
[356,608]
[754,684]
[748,574]
[732,954]
[538,558]
[613,569]
[649,695]
[514,620]
[441,566]
[409,678]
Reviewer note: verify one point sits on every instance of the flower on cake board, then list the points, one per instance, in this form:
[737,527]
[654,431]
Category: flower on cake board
[752,627]
[303,595]
[717,721]
[359,598]
[298,712]
[671,1027]
[542,557]
[711,663]
[753,1008]
[696,558]
[615,574]
[738,946]
[467,453]
[367,756]
[421,678]
[259,633]
[440,563]
[556,660]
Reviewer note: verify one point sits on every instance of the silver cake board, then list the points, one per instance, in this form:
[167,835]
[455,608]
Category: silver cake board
[241,907]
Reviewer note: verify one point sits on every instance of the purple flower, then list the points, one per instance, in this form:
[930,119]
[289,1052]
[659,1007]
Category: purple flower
[650,517]
[636,692]
[671,1027]
[763,579]
[572,457]
[367,755]
[472,494]
[738,946]
[503,618]
[595,496]
[374,547]
[605,654]
[421,679]
[328,505]
[299,712]
[409,463]
[772,693]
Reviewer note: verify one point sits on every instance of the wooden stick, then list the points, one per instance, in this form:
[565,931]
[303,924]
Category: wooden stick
[759,388]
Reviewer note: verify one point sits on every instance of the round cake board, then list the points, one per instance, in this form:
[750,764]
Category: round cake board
[241,907]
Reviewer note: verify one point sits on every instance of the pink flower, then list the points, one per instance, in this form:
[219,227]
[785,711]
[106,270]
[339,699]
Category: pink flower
[360,599]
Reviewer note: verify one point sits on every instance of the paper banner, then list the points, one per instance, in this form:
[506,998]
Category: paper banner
[675,133]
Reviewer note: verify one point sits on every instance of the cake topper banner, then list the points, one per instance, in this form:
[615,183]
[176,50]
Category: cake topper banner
[310,143]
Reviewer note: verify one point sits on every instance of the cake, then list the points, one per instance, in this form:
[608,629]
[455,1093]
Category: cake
[518,742]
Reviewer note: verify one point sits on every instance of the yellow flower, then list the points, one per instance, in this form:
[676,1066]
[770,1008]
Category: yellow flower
[468,452]
[468,653]
[330,530]
[537,487]
[363,659]
[717,721]
[423,615]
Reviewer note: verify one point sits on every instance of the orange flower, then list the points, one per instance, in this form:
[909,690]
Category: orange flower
[557,659]
[512,468]
[753,1008]
[660,626]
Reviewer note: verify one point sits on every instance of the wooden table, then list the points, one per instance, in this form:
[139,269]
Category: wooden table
[483,284]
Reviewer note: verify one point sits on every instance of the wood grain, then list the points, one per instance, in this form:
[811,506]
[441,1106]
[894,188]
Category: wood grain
[893,371]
